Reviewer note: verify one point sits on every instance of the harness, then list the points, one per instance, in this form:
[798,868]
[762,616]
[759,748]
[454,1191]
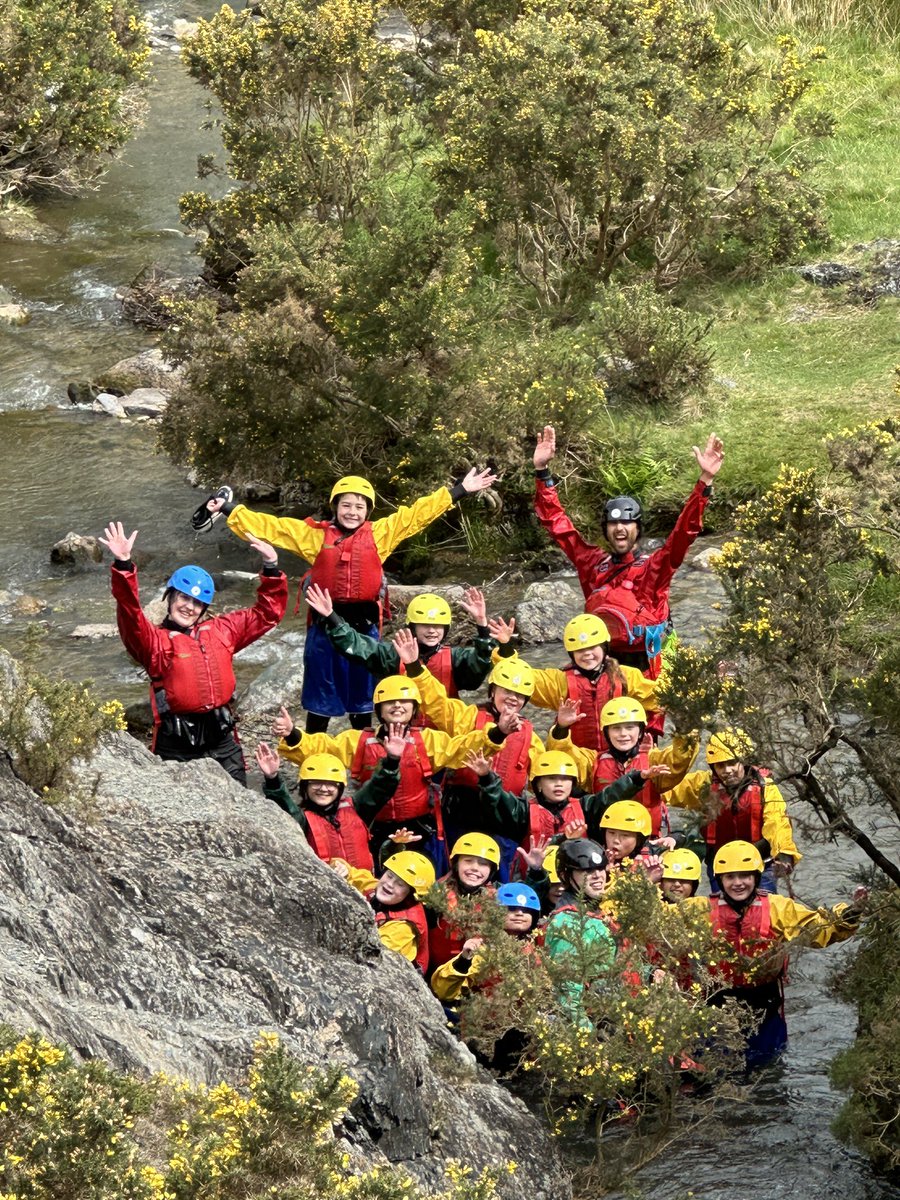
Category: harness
[511,762]
[607,769]
[633,623]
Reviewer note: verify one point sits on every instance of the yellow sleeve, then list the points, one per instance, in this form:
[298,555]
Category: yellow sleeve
[447,751]
[550,688]
[640,687]
[343,746]
[361,879]
[821,926]
[584,758]
[691,793]
[401,936]
[776,827]
[285,532]
[410,519]
[679,755]
[449,715]
[450,985]
[535,750]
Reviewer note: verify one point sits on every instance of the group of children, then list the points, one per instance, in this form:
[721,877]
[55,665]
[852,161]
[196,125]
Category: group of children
[425,786]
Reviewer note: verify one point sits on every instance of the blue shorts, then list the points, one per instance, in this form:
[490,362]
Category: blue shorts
[332,684]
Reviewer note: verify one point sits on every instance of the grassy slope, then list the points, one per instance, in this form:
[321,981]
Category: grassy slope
[804,362]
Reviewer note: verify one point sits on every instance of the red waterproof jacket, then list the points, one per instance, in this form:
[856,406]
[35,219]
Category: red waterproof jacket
[740,814]
[194,668]
[413,797]
[591,695]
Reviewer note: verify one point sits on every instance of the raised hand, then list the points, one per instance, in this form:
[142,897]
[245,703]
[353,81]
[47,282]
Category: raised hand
[342,868]
[500,630]
[283,723]
[534,857]
[652,864]
[479,481]
[710,458]
[404,642]
[473,603]
[860,897]
[545,448]
[268,760]
[116,541]
[471,946]
[568,713]
[319,600]
[404,836]
[269,553]
[478,762]
[575,829]
[509,723]
[654,771]
[662,844]
[395,742]
[646,744]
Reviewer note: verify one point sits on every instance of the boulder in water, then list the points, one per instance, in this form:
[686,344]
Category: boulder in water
[106,402]
[145,370]
[14,314]
[28,606]
[145,402]
[546,608]
[77,548]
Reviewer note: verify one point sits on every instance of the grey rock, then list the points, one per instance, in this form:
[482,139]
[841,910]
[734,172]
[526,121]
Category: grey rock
[94,633]
[542,614]
[81,392]
[278,684]
[189,915]
[145,370]
[828,274]
[14,314]
[106,402]
[703,559]
[28,606]
[184,29]
[145,402]
[77,548]
[274,647]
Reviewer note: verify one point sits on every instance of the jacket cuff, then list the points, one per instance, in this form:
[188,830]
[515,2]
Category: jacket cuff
[545,476]
[457,492]
[416,668]
[462,965]
[496,735]
[333,619]
[271,569]
[390,763]
[506,650]
[123,564]
[293,738]
[482,632]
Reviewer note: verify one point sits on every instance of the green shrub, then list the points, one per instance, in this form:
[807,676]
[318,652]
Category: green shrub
[69,71]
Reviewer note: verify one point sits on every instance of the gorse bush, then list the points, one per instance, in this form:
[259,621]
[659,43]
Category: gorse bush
[433,250]
[82,1131]
[69,73]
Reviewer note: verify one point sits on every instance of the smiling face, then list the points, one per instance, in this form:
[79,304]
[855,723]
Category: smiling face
[590,659]
[554,788]
[619,845]
[622,536]
[396,712]
[350,510]
[730,773]
[623,737]
[184,610]
[471,871]
[429,635]
[506,701]
[321,793]
[391,889]
[518,920]
[591,884]
[677,889]
[738,885]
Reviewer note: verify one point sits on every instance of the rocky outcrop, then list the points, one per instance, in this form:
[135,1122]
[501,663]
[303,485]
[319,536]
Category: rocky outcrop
[187,914]
[546,607]
[145,370]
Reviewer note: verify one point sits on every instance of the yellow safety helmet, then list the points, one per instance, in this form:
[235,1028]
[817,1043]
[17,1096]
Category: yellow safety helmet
[514,675]
[413,868]
[550,864]
[554,762]
[727,746]
[479,845]
[585,631]
[428,609]
[737,858]
[324,768]
[353,483]
[628,816]
[396,687]
[622,711]
[681,864]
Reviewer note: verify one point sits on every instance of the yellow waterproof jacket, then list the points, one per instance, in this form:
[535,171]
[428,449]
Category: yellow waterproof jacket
[790,919]
[400,936]
[551,685]
[456,716]
[442,749]
[288,533]
[678,756]
[450,984]
[693,793]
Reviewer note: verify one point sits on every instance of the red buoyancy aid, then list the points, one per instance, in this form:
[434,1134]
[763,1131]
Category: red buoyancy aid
[348,564]
[445,942]
[511,762]
[415,914]
[544,823]
[607,769]
[740,814]
[413,795]
[441,667]
[634,622]
[348,839]
[200,674]
[590,695]
[751,935]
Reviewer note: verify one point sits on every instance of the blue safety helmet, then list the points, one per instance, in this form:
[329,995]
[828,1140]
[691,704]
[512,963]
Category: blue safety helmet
[194,582]
[518,895]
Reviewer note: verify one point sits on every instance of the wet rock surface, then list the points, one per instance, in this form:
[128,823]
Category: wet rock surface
[188,915]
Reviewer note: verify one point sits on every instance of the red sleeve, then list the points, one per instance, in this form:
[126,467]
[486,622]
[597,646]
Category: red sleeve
[238,629]
[144,641]
[665,561]
[581,554]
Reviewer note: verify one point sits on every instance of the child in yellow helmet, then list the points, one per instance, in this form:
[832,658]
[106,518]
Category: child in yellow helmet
[474,868]
[396,900]
[347,552]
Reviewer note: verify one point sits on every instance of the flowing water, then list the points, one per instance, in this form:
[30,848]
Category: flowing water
[62,469]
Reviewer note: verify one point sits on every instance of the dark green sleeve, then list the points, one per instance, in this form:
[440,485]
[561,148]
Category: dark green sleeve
[471,664]
[375,792]
[378,657]
[596,803]
[508,811]
[276,789]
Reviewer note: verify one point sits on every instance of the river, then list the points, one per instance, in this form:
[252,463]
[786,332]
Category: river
[62,469]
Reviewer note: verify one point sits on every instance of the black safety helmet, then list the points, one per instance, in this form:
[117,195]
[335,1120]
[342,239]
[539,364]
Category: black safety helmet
[578,854]
[623,508]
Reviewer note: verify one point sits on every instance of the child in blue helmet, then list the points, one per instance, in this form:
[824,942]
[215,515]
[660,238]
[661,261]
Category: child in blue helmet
[189,656]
